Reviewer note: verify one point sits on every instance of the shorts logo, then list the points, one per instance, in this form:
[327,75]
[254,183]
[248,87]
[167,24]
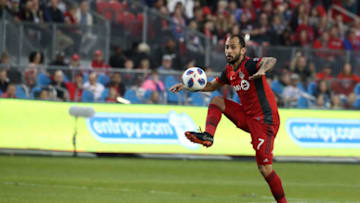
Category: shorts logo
[120,128]
[327,133]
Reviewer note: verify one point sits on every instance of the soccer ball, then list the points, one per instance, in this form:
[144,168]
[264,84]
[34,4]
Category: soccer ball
[194,78]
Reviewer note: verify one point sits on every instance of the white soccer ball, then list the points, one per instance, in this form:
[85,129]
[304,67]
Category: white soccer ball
[194,78]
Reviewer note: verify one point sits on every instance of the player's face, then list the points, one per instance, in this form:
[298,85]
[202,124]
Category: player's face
[233,50]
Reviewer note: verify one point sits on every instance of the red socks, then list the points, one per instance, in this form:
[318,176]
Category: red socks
[276,188]
[212,119]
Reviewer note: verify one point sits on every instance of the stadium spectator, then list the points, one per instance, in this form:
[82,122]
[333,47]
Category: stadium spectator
[178,22]
[142,52]
[76,88]
[171,49]
[335,42]
[113,94]
[323,90]
[52,13]
[98,61]
[291,92]
[14,8]
[44,94]
[83,15]
[320,102]
[336,102]
[325,74]
[261,32]
[60,88]
[59,60]
[187,7]
[199,18]
[277,28]
[348,74]
[4,8]
[156,86]
[128,78]
[346,81]
[93,86]
[192,40]
[36,60]
[166,63]
[10,92]
[75,67]
[248,9]
[117,84]
[299,66]
[244,25]
[4,80]
[75,33]
[302,39]
[31,12]
[304,26]
[70,15]
[118,58]
[13,72]
[351,42]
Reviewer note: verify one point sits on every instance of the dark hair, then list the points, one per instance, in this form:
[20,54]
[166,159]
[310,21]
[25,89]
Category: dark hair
[33,54]
[241,39]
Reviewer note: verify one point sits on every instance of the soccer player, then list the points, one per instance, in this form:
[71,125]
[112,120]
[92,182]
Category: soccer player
[257,113]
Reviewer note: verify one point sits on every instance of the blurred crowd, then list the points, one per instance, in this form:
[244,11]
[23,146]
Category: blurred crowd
[297,86]
[38,14]
[303,23]
[144,72]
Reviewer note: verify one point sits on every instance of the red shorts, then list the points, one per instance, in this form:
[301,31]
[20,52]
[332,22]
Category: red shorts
[262,135]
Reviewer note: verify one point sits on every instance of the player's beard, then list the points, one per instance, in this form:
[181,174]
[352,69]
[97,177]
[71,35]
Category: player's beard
[232,60]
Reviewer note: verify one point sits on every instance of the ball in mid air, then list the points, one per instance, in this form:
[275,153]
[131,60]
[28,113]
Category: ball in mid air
[194,78]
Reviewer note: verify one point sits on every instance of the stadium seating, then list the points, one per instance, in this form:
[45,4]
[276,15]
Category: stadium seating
[302,103]
[104,95]
[43,79]
[357,89]
[173,98]
[197,99]
[35,92]
[356,104]
[131,95]
[312,88]
[21,92]
[103,79]
[277,87]
[87,96]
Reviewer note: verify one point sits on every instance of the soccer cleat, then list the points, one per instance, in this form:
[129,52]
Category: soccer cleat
[203,138]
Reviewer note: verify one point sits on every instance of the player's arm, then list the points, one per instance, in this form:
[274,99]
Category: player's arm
[210,86]
[266,64]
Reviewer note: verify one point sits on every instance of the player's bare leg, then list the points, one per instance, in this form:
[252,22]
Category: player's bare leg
[215,110]
[274,182]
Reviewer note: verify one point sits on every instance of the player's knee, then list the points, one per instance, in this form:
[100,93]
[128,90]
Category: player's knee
[265,170]
[218,101]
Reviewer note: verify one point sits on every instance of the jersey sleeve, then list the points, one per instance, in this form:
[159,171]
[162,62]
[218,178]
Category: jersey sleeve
[253,65]
[223,79]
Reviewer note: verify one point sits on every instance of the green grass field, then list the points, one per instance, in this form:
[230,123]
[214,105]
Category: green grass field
[57,179]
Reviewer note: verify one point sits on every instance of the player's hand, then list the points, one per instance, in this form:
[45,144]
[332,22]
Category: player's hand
[176,88]
[257,75]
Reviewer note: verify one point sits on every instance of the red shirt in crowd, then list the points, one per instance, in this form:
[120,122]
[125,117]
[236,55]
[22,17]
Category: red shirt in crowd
[323,76]
[99,64]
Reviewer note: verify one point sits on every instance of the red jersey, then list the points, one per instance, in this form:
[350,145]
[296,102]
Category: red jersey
[256,95]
